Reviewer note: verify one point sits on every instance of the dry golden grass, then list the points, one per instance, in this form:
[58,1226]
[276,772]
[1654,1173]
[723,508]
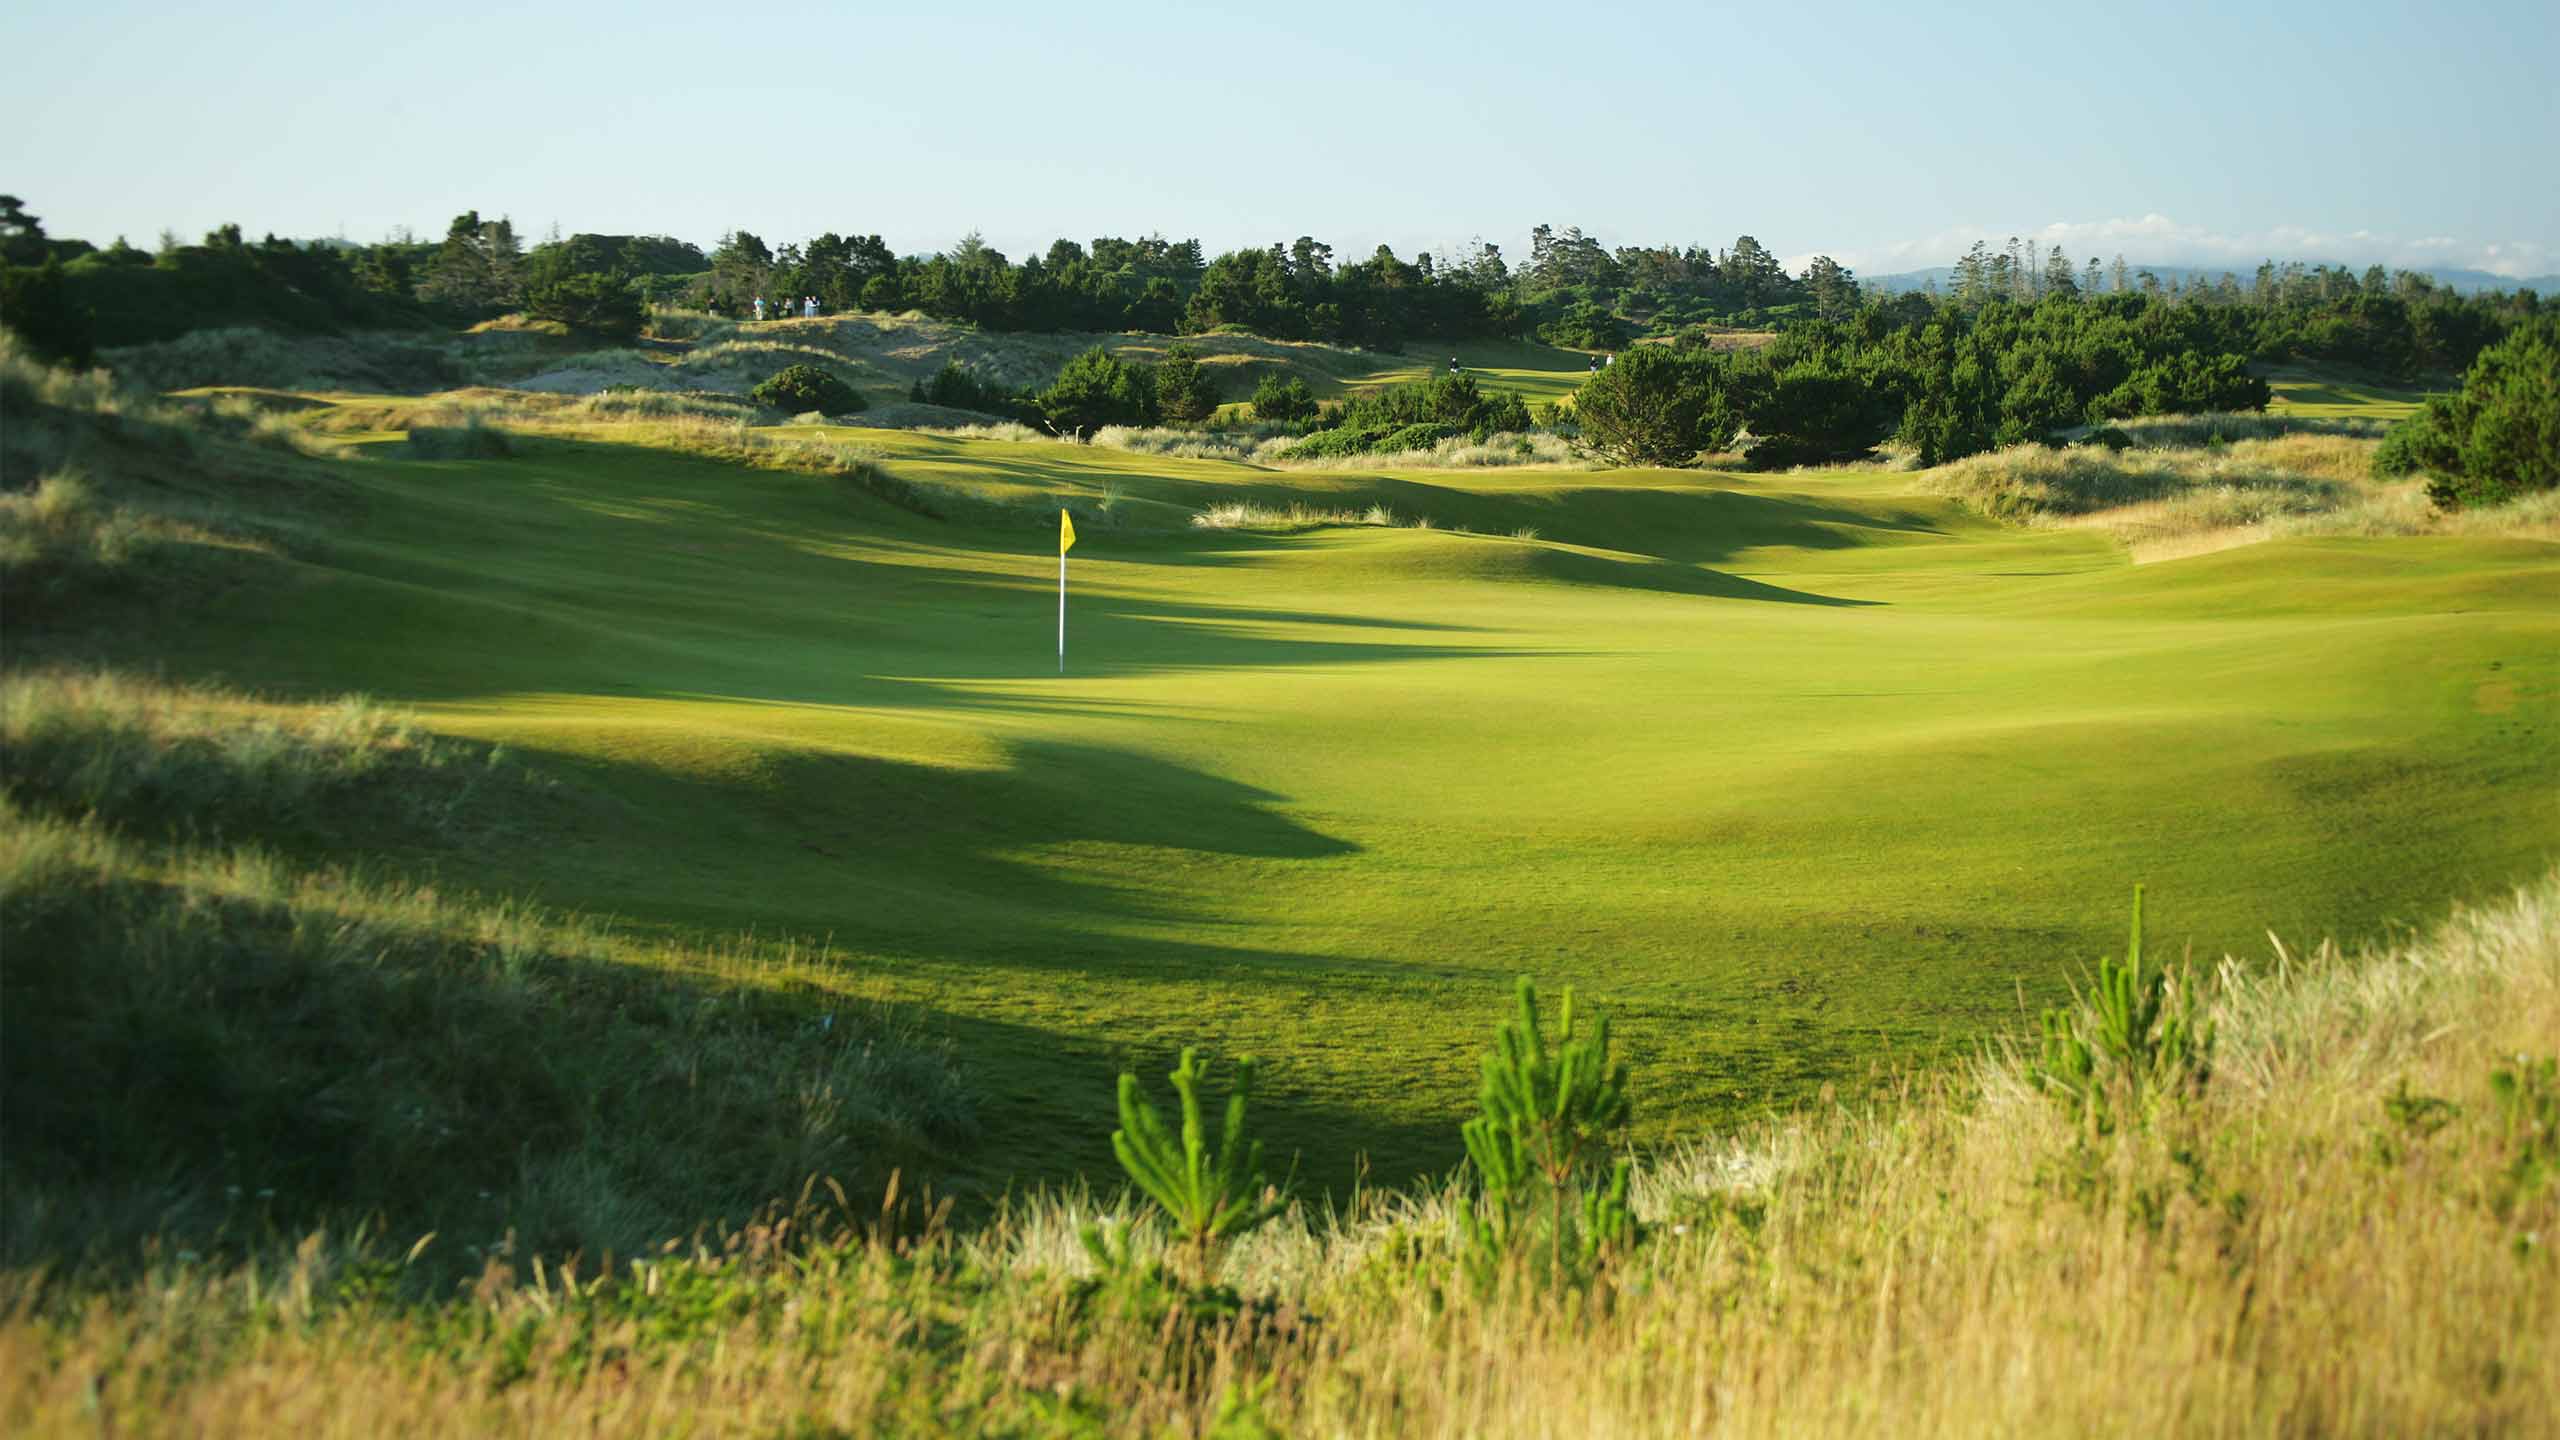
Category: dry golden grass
[2331,1239]
[2178,499]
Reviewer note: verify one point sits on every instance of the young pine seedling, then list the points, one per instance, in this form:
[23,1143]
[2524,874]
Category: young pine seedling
[1210,1197]
[1548,1114]
[2131,1038]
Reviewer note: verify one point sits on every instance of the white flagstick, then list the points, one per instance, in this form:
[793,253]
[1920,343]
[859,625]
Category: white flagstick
[1062,612]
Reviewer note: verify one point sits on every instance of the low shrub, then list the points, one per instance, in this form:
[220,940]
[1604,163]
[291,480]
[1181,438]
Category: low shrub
[798,389]
[1332,444]
[1412,437]
[602,305]
[956,386]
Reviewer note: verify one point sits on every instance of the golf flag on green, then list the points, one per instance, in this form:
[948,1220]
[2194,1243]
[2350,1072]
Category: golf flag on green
[1066,542]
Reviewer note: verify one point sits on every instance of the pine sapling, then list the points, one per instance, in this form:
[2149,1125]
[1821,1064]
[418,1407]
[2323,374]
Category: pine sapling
[1549,1113]
[1210,1196]
[2130,1039]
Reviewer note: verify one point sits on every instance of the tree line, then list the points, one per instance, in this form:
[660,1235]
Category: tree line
[68,296]
[1949,380]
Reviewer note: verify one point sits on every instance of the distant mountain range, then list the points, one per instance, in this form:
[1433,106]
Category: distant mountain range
[2466,282]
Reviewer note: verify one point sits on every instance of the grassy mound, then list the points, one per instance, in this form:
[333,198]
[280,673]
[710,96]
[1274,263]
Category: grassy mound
[2187,485]
[208,1041]
[114,492]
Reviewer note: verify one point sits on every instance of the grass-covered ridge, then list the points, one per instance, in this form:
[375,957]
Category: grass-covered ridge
[2345,1228]
[213,1028]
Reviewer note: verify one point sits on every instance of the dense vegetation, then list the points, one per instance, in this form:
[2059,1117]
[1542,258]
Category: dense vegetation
[1948,381]
[2499,436]
[1572,290]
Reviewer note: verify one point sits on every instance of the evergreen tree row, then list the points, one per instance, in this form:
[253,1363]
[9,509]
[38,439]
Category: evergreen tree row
[1571,291]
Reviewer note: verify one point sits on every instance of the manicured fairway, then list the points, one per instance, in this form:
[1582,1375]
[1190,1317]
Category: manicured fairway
[2329,397]
[1795,774]
[1537,373]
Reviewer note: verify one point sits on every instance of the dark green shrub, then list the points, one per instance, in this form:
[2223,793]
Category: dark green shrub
[602,305]
[1095,389]
[1333,444]
[1283,398]
[1455,401]
[1413,437]
[961,388]
[1586,326]
[2420,444]
[1658,406]
[1810,414]
[799,389]
[37,304]
[1185,391]
[2498,437]
[2109,436]
[2187,383]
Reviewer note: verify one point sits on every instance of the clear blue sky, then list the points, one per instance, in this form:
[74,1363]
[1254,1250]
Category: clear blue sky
[1877,132]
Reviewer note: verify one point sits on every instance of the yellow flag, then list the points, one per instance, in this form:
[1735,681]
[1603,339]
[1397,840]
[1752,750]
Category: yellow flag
[1066,532]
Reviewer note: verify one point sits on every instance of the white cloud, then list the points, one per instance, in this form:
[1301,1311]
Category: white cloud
[2158,240]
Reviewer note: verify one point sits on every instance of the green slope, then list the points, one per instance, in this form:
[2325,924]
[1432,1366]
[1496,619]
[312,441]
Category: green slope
[1797,773]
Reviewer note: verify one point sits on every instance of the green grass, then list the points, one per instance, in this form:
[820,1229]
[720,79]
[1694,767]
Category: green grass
[1537,373]
[1804,774]
[2308,394]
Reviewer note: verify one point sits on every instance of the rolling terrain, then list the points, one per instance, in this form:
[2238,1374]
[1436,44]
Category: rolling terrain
[1803,775]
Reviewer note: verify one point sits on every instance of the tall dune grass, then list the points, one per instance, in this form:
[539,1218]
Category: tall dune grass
[2348,1231]
[111,489]
[2187,488]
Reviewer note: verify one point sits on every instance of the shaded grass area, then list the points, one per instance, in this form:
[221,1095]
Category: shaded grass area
[205,1041]
[110,492]
[2346,1230]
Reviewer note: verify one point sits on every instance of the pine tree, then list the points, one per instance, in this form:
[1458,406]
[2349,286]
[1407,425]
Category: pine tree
[1185,391]
[2057,274]
[2122,278]
[1973,276]
[479,268]
[1835,293]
